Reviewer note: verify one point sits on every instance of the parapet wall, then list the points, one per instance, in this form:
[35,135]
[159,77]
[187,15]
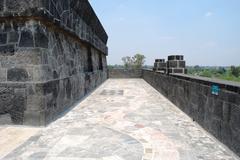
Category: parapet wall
[219,114]
[51,55]
[124,73]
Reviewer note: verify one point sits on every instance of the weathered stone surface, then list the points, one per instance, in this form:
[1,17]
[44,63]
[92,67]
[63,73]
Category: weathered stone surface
[3,75]
[6,99]
[13,37]
[13,5]
[17,75]
[1,6]
[75,16]
[235,118]
[49,47]
[117,123]
[3,38]
[26,39]
[172,64]
[41,40]
[220,115]
[124,73]
[7,50]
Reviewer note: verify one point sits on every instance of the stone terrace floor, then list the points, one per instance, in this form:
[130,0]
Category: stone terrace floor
[124,119]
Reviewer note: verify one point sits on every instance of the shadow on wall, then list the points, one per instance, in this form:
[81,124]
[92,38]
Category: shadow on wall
[12,102]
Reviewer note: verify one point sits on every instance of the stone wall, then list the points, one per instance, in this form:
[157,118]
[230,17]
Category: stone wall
[48,60]
[124,73]
[218,114]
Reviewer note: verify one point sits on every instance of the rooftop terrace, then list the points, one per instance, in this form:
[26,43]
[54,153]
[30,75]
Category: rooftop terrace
[124,119]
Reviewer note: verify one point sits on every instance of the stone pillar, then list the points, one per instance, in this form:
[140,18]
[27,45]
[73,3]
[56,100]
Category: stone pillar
[176,64]
[160,65]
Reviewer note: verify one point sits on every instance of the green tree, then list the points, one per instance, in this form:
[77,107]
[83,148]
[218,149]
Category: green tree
[138,61]
[235,71]
[221,70]
[127,62]
[135,62]
[206,73]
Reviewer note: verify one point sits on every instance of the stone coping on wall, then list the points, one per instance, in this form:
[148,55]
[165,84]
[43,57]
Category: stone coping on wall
[124,73]
[223,84]
[74,16]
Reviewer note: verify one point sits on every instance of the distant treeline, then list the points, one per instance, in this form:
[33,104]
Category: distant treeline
[231,73]
[227,73]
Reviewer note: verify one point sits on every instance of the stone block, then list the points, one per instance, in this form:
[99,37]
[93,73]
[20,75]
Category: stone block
[13,5]
[41,39]
[13,37]
[226,112]
[6,99]
[160,60]
[172,64]
[3,38]
[17,75]
[216,128]
[161,65]
[226,134]
[18,105]
[36,103]
[175,57]
[42,73]
[218,109]
[26,39]
[181,64]
[34,118]
[29,56]
[7,50]
[1,6]
[176,70]
[235,145]
[7,27]
[179,70]
[46,4]
[3,75]
[235,118]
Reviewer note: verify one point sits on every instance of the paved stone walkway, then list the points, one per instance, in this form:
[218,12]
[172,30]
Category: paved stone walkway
[122,120]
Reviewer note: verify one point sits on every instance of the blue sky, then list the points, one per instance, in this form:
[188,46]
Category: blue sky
[206,32]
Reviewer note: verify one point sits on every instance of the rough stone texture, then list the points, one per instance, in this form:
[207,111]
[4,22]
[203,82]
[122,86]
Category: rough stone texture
[116,122]
[176,64]
[45,65]
[220,115]
[124,73]
[160,65]
[74,16]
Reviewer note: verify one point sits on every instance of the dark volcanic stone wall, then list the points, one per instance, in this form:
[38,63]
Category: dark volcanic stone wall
[75,16]
[45,65]
[218,114]
[125,73]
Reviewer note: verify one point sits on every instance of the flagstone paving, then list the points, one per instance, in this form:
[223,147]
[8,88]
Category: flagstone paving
[124,119]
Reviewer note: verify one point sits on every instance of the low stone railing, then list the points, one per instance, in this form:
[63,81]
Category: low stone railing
[124,73]
[214,104]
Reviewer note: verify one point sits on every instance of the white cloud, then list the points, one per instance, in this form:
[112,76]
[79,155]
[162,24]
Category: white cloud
[209,14]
